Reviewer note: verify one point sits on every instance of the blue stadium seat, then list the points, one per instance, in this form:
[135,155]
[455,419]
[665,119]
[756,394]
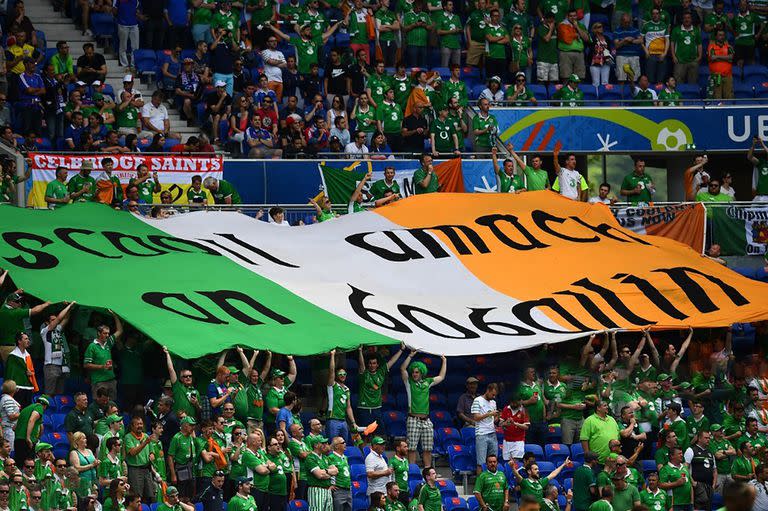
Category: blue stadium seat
[590,93]
[145,61]
[359,503]
[468,435]
[396,423]
[144,507]
[357,472]
[412,484]
[198,506]
[743,91]
[755,73]
[556,484]
[441,418]
[556,453]
[298,505]
[388,402]
[554,434]
[63,403]
[561,501]
[61,451]
[359,487]
[103,26]
[461,459]
[354,456]
[539,91]
[611,93]
[448,436]
[414,472]
[444,72]
[447,488]
[545,468]
[455,504]
[58,421]
[717,501]
[577,452]
[476,90]
[154,506]
[48,420]
[473,504]
[567,484]
[648,467]
[568,471]
[537,451]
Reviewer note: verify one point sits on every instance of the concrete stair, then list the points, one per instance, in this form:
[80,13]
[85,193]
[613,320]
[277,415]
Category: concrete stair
[58,27]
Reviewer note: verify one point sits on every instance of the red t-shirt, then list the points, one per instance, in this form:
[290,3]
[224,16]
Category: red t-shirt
[179,148]
[513,433]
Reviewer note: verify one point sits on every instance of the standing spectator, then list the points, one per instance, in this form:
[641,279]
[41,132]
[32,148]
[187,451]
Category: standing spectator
[389,117]
[359,17]
[686,51]
[52,103]
[746,32]
[29,427]
[19,368]
[571,38]
[713,194]
[31,90]
[9,412]
[416,25]
[534,401]
[442,133]
[759,171]
[307,47]
[336,81]
[400,468]
[720,54]
[414,375]
[522,55]
[223,55]
[181,458]
[91,66]
[703,470]
[388,29]
[569,181]
[339,402]
[601,56]
[428,497]
[98,358]
[376,468]
[125,12]
[319,474]
[726,186]
[464,405]
[534,484]
[152,16]
[598,430]
[628,42]
[656,47]
[56,360]
[475,33]
[485,415]
[484,127]
[274,64]
[415,130]
[584,483]
[496,41]
[675,477]
[448,26]
[137,458]
[171,68]
[491,489]
[78,418]
[547,69]
[176,17]
[514,419]
[638,187]
[15,54]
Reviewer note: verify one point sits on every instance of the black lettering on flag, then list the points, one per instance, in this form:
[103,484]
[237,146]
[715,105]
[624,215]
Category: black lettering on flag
[591,308]
[614,301]
[163,241]
[606,230]
[65,235]
[408,311]
[41,261]
[696,294]
[118,239]
[451,232]
[406,253]
[158,299]
[477,317]
[266,255]
[356,302]
[542,218]
[523,312]
[222,298]
[653,295]
[490,221]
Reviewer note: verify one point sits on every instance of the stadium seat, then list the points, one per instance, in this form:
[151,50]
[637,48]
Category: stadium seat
[568,471]
[298,505]
[610,95]
[103,26]
[473,504]
[441,418]
[577,452]
[476,90]
[360,503]
[556,484]
[61,451]
[468,435]
[447,488]
[561,502]
[396,423]
[556,453]
[539,91]
[590,93]
[359,487]
[412,484]
[153,506]
[357,473]
[58,421]
[444,72]
[743,91]
[448,436]
[567,484]
[455,504]
[755,73]
[144,507]
[63,403]
[198,506]
[536,450]
[648,467]
[145,62]
[545,468]
[717,501]
[354,456]
[414,472]
[460,460]
[554,434]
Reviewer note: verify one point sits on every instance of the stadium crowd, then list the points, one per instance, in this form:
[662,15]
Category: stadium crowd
[96,415]
[294,79]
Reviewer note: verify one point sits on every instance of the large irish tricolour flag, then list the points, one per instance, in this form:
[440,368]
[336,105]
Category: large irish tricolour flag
[446,273]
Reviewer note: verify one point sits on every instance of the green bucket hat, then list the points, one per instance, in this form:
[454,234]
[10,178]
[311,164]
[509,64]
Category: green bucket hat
[43,446]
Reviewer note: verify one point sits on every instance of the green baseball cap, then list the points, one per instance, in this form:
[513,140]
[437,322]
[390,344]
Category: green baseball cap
[685,385]
[377,440]
[114,418]
[43,446]
[276,373]
[663,377]
[574,78]
[171,490]
[188,420]
[715,427]
[233,369]
[314,440]
[44,399]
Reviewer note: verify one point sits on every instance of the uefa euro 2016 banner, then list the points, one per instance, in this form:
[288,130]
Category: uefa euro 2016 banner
[174,172]
[632,129]
[448,274]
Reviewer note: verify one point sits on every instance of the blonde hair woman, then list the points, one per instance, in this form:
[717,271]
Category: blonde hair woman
[83,460]
[9,410]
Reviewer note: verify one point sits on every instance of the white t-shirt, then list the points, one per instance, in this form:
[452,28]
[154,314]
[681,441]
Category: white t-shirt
[353,150]
[156,115]
[596,199]
[481,406]
[273,73]
[569,183]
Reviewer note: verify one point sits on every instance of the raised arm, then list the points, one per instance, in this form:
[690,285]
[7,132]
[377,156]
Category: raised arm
[118,326]
[332,368]
[279,33]
[681,353]
[360,361]
[404,367]
[441,376]
[291,376]
[267,366]
[559,469]
[171,371]
[222,358]
[655,360]
[614,352]
[515,156]
[247,365]
[395,356]
[360,186]
[585,350]
[636,355]
[62,317]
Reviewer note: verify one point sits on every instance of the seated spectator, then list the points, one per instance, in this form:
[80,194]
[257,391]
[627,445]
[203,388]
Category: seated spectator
[316,135]
[669,96]
[240,120]
[97,130]
[74,131]
[201,62]
[656,47]
[340,130]
[628,43]
[380,147]
[218,105]
[136,98]
[63,64]
[157,145]
[315,108]
[8,137]
[291,77]
[154,117]
[5,111]
[260,141]
[264,92]
[334,145]
[643,94]
[291,108]
[87,143]
[190,146]
[713,194]
[126,115]
[600,56]
[571,38]
[337,110]
[493,93]
[292,131]
[91,66]
[357,148]
[726,186]
[570,94]
[30,143]
[241,77]
[602,195]
[170,69]
[18,21]
[720,55]
[188,90]
[311,84]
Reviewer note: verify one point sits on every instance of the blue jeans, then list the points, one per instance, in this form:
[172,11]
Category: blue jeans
[202,32]
[485,445]
[228,79]
[336,427]
[366,416]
